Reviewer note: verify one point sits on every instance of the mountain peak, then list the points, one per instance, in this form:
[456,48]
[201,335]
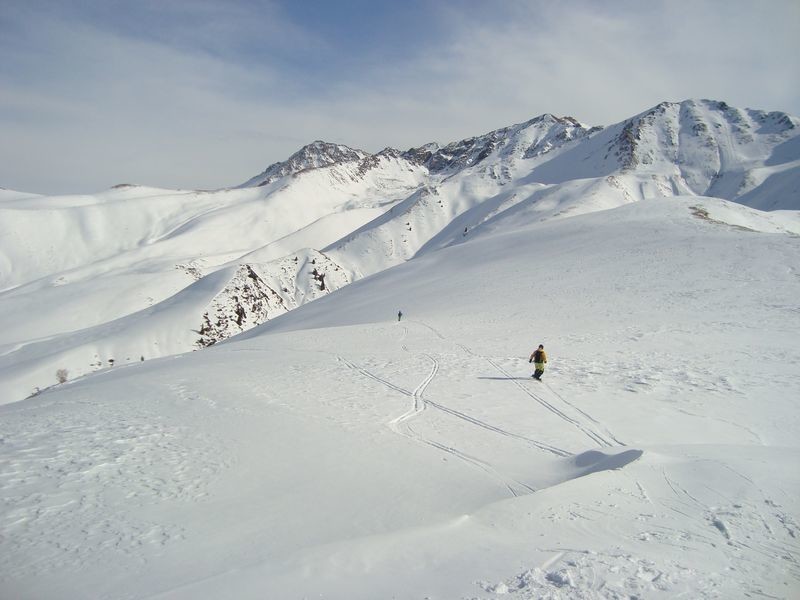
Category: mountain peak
[550,118]
[311,156]
[320,148]
[524,140]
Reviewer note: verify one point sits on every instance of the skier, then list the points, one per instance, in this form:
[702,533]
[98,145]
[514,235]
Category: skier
[399,314]
[538,358]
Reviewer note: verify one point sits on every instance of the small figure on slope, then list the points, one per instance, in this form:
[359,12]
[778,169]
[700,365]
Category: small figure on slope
[399,314]
[539,359]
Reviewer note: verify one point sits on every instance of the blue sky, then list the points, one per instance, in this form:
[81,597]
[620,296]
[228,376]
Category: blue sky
[205,94]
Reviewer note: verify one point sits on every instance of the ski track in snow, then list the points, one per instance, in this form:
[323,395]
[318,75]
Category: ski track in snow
[594,436]
[415,410]
[587,430]
[479,423]
[584,413]
[668,516]
[577,573]
[402,425]
[735,521]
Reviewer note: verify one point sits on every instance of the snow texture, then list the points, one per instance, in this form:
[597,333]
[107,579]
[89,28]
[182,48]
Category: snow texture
[325,449]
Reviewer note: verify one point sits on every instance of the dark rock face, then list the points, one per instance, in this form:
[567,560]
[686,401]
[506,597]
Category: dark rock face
[259,292]
[245,302]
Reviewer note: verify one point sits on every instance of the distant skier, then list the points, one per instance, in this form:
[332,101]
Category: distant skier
[539,359]
[399,315]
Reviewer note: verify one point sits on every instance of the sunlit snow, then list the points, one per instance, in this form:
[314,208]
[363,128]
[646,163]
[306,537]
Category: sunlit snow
[336,451]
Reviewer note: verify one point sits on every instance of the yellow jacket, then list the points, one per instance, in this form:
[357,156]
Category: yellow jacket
[542,358]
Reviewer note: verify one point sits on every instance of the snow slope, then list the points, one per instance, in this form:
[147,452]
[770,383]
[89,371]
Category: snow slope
[335,452]
[82,278]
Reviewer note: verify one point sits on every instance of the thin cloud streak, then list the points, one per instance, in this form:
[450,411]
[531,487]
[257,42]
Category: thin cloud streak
[86,105]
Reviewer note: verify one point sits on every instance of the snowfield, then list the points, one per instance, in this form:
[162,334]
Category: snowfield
[336,452]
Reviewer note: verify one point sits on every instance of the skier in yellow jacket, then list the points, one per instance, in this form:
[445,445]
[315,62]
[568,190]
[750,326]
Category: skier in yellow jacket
[539,359]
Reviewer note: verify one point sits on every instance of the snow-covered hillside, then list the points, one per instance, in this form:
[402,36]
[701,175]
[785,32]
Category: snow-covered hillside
[336,452]
[135,273]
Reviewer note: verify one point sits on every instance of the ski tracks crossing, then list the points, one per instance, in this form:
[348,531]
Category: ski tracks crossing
[489,427]
[420,403]
[585,414]
[555,404]
[583,421]
[588,429]
[403,424]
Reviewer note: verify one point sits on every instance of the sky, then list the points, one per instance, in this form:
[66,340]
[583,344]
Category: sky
[204,94]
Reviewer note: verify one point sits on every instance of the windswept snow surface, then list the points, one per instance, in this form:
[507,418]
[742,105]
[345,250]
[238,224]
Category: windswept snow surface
[335,452]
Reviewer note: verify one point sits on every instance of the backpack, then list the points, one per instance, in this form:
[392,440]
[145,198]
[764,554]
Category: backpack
[537,356]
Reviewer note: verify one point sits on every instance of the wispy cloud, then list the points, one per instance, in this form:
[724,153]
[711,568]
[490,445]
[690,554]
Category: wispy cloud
[205,94]
[603,65]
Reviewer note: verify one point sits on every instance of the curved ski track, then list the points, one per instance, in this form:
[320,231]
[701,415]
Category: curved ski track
[458,414]
[402,426]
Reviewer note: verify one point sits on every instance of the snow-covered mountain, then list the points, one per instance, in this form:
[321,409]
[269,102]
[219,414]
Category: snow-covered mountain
[313,156]
[336,452]
[137,273]
[694,147]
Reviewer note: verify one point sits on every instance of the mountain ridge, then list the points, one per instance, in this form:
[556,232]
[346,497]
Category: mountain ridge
[330,215]
[628,145]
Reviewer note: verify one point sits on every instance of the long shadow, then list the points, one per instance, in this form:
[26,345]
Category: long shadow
[508,378]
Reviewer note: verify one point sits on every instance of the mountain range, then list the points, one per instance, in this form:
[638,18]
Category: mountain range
[137,273]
